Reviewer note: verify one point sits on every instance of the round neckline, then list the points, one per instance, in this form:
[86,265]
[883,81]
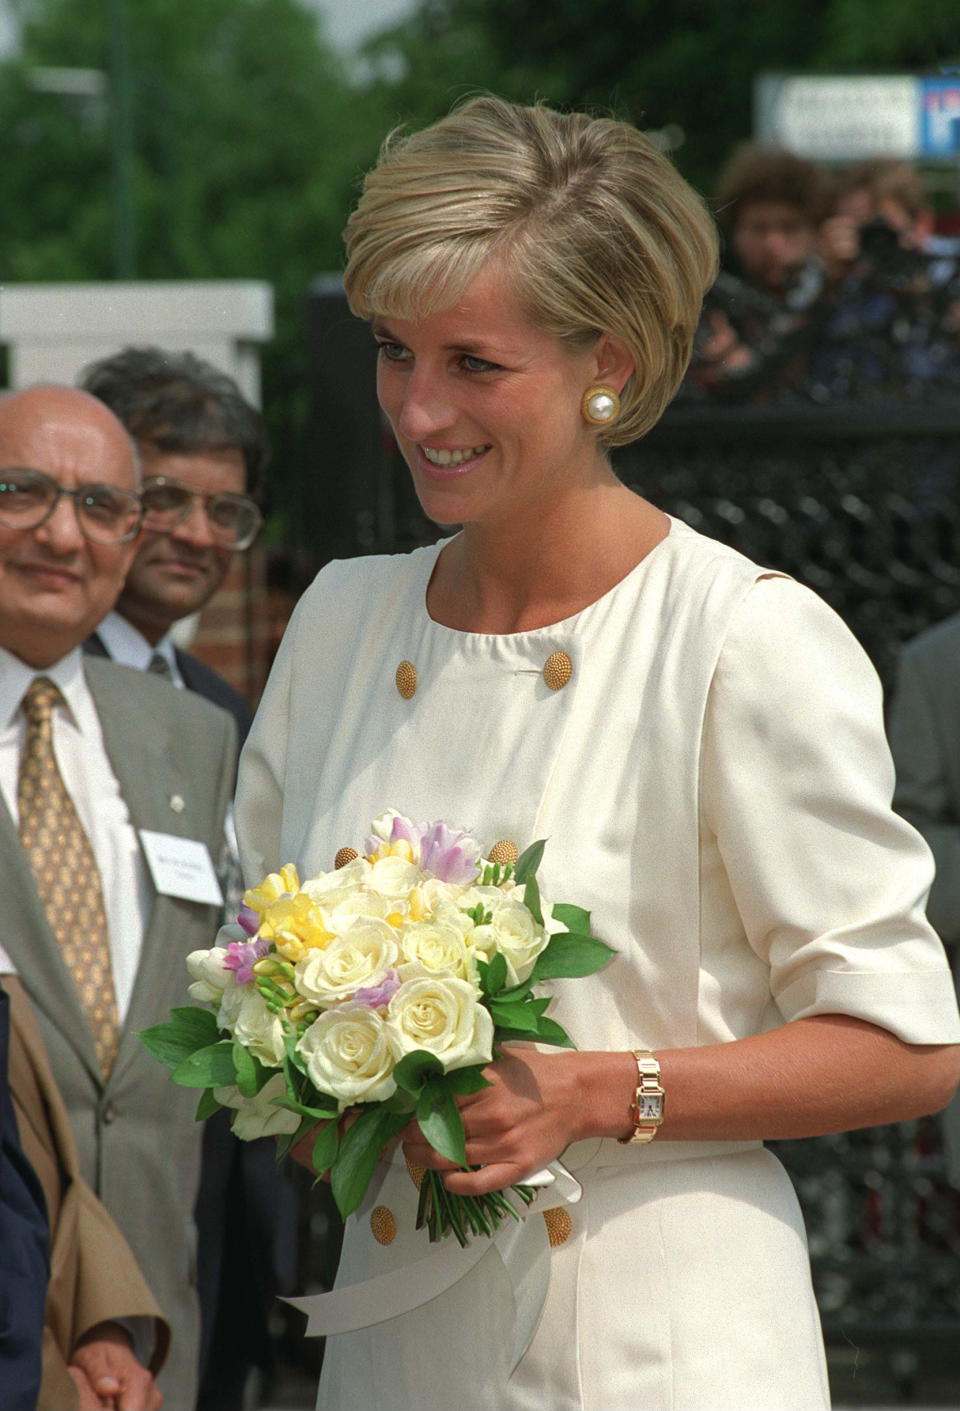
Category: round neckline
[562,624]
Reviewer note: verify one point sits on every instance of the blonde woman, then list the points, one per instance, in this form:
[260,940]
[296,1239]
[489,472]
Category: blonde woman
[699,738]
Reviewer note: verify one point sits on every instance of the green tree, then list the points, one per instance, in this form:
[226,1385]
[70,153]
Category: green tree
[690,64]
[247,141]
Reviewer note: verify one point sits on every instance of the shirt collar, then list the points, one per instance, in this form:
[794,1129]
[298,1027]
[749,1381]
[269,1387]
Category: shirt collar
[16,676]
[127,645]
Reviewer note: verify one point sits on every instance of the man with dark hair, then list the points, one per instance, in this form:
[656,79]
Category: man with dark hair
[770,204]
[759,314]
[204,449]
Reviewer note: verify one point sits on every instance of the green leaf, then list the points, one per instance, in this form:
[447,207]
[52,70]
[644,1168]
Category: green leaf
[318,1114]
[325,1147]
[210,1067]
[528,861]
[357,1158]
[464,1081]
[515,1016]
[531,900]
[187,1030]
[546,1032]
[493,974]
[441,1123]
[573,917]
[550,1032]
[207,1106]
[246,1069]
[415,1069]
[570,955]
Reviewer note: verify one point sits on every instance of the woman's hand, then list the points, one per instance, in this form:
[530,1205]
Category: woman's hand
[537,1104]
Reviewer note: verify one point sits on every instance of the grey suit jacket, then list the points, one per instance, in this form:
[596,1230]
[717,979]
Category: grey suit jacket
[924,730]
[173,755]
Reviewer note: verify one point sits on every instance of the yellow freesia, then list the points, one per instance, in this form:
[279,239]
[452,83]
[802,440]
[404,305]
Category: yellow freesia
[272,888]
[295,926]
[401,848]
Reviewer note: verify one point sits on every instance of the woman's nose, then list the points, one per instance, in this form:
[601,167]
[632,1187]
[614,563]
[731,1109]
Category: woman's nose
[425,408]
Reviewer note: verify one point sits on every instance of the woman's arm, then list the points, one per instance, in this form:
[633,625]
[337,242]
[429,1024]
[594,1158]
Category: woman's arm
[827,1073]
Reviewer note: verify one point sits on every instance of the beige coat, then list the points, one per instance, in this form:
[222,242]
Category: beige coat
[93,1276]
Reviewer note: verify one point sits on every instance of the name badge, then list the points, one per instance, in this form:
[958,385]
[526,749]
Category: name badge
[181,867]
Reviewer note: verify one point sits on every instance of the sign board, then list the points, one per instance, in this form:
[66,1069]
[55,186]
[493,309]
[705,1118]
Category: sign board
[842,119]
[940,117]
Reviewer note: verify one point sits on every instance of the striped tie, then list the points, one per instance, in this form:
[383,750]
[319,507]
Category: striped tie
[159,665]
[65,871]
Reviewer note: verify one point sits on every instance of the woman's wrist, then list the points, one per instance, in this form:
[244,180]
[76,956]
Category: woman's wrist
[606,1089]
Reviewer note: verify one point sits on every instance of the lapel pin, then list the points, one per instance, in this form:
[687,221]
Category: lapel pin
[177,803]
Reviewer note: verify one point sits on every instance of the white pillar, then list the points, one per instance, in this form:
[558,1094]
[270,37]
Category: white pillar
[54,330]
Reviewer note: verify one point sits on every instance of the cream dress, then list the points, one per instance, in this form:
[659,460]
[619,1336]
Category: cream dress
[714,785]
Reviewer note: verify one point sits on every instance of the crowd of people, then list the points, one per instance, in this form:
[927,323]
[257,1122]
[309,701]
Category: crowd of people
[535,283]
[833,286]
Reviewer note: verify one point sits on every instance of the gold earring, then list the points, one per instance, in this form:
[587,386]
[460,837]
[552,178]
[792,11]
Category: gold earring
[600,405]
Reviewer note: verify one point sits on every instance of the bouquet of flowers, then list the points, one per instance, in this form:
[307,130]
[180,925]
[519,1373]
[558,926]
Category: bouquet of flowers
[380,990]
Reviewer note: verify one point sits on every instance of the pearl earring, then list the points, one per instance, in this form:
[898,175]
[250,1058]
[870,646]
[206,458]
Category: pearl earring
[600,405]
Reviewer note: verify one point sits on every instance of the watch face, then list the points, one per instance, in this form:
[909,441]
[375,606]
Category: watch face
[651,1107]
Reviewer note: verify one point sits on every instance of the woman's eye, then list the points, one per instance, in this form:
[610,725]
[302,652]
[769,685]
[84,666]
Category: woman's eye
[391,352]
[473,364]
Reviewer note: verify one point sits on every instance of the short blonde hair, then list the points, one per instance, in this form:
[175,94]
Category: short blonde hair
[600,234]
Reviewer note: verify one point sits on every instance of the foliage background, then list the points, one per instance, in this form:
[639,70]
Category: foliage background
[249,133]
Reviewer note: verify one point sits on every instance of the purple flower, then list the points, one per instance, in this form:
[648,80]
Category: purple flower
[376,995]
[242,956]
[449,854]
[249,920]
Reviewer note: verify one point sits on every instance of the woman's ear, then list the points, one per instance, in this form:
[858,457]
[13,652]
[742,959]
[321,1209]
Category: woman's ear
[614,362]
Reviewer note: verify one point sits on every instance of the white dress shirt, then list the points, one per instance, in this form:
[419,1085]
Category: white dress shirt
[128,646]
[92,784]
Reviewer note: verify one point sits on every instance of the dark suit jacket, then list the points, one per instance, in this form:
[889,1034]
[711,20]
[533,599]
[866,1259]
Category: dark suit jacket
[93,1276]
[23,1254]
[139,1147]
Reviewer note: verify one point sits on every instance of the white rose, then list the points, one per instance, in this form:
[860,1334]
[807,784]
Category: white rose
[444,1016]
[355,960]
[394,877]
[439,946]
[350,1054]
[258,1028]
[257,1116]
[339,882]
[210,980]
[514,933]
[360,901]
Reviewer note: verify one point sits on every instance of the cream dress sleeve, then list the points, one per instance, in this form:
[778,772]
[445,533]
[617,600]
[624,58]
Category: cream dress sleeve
[829,884]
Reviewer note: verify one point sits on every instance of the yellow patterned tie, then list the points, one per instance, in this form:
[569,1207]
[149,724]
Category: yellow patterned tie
[65,870]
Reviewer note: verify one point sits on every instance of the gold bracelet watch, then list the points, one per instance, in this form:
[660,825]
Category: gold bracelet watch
[646,1111]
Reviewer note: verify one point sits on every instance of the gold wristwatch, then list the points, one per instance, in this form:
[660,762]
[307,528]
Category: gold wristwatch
[647,1109]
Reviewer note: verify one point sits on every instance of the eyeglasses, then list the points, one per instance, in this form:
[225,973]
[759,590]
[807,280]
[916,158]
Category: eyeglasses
[105,513]
[234,520]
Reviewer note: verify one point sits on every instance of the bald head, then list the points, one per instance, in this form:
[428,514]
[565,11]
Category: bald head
[63,420]
[55,583]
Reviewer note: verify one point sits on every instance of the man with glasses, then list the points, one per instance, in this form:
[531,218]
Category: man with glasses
[204,449]
[107,778]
